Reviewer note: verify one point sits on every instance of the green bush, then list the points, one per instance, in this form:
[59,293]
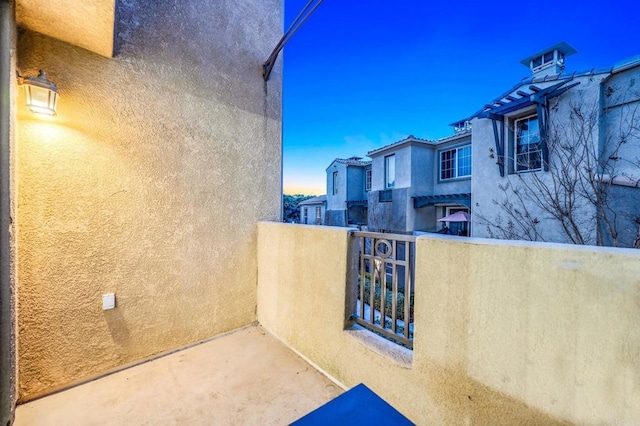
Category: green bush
[388,299]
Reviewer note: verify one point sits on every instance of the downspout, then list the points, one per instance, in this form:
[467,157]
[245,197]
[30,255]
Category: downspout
[7,317]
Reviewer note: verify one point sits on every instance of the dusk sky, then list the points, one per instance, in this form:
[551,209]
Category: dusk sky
[362,74]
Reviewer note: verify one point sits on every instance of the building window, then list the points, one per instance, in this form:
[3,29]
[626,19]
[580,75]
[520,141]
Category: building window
[318,216]
[455,163]
[367,180]
[305,215]
[543,61]
[335,183]
[528,156]
[390,171]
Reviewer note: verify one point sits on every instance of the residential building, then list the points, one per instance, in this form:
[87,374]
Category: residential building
[557,157]
[347,189]
[313,210]
[415,182]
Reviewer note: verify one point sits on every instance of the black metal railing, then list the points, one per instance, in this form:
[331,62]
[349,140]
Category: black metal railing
[385,286]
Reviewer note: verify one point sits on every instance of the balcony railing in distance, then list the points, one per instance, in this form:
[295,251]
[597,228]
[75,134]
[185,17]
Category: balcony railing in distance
[385,284]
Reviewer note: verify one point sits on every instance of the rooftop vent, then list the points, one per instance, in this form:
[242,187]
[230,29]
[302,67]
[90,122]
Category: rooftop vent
[549,61]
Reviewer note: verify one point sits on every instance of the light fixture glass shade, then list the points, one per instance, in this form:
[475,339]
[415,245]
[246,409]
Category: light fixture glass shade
[42,94]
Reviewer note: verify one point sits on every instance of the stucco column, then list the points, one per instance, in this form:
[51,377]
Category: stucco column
[7,360]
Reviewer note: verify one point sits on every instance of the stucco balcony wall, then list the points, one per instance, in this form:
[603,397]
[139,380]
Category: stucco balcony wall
[505,333]
[149,183]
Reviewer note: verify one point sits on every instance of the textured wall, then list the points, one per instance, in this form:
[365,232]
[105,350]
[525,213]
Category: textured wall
[554,326]
[302,274]
[149,183]
[506,333]
[391,216]
[87,24]
[337,201]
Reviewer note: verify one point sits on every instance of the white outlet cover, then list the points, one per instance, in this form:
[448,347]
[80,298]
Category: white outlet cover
[108,301]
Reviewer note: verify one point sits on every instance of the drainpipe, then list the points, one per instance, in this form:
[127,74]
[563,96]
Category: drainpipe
[7,334]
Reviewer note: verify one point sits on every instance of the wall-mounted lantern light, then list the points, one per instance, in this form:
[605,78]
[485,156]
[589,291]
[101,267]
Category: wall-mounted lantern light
[42,94]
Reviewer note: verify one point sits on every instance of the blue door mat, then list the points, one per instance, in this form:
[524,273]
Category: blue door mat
[358,406]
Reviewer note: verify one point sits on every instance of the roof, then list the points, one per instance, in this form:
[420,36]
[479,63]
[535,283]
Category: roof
[524,99]
[412,139]
[315,200]
[408,140]
[352,161]
[617,67]
[623,65]
[430,200]
[459,135]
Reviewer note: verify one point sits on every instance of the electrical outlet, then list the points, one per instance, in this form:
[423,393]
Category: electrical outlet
[108,301]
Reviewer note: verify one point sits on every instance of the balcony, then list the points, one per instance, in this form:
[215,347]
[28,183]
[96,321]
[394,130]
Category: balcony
[505,333]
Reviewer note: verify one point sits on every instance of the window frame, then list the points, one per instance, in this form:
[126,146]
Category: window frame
[335,183]
[318,214]
[367,180]
[305,215]
[514,138]
[456,164]
[536,66]
[387,184]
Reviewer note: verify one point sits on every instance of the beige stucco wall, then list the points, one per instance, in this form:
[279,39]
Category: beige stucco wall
[505,333]
[149,183]
[88,24]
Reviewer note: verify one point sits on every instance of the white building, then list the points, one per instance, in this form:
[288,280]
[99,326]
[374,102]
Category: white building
[556,158]
[415,182]
[348,181]
[312,211]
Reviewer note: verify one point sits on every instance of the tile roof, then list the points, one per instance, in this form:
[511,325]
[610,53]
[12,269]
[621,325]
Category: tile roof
[413,139]
[315,200]
[408,139]
[459,135]
[353,161]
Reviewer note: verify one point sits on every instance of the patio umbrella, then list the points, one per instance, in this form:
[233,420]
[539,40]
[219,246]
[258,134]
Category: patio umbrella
[456,217]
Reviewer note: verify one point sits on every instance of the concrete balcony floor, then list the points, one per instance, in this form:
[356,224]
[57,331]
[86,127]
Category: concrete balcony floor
[246,377]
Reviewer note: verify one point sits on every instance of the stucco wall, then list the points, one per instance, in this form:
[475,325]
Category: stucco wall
[621,121]
[149,183]
[337,201]
[421,170]
[391,216]
[88,24]
[505,333]
[355,183]
[377,173]
[311,213]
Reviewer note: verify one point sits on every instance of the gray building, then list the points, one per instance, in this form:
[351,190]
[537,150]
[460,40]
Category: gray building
[313,210]
[415,182]
[348,182]
[557,157]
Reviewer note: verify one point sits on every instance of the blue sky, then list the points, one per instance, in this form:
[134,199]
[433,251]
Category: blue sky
[362,74]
